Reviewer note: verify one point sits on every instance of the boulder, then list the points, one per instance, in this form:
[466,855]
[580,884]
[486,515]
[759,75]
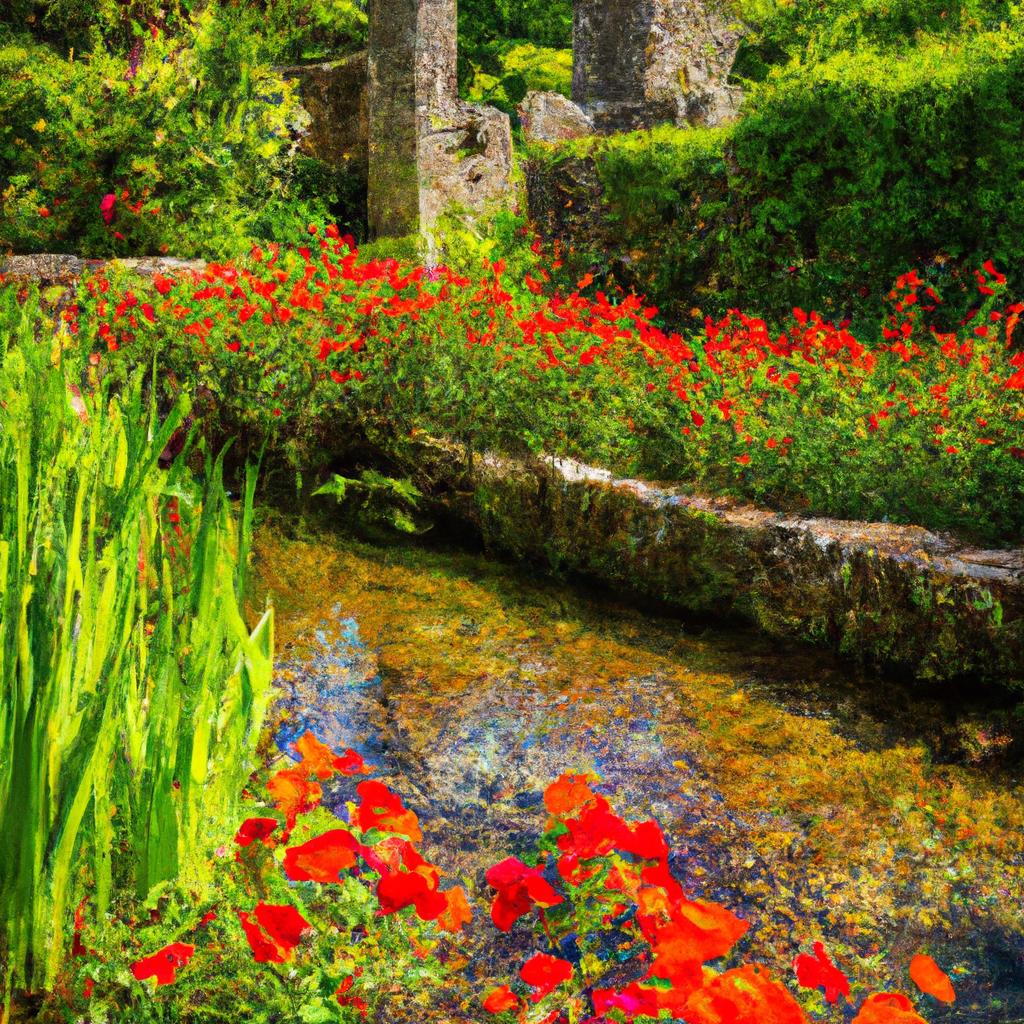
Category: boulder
[550,117]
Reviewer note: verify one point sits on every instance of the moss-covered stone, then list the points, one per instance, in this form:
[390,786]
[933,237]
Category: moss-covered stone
[886,595]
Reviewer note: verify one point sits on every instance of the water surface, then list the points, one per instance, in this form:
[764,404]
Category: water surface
[815,802]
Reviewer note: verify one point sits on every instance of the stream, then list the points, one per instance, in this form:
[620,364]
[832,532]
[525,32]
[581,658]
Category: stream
[813,801]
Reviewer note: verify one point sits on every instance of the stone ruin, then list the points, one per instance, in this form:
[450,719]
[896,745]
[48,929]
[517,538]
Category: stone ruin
[393,115]
[428,150]
[642,62]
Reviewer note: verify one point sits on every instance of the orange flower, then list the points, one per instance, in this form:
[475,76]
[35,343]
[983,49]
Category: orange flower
[319,760]
[500,1000]
[888,1008]
[931,979]
[745,995]
[457,913]
[294,794]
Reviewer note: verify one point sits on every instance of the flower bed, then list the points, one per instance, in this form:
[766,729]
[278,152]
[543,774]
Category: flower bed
[921,425]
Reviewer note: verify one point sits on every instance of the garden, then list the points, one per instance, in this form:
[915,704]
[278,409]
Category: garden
[293,724]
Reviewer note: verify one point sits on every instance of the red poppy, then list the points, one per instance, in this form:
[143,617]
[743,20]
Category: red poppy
[163,964]
[383,810]
[520,889]
[274,933]
[501,1000]
[255,828]
[401,889]
[819,971]
[323,858]
[744,995]
[544,973]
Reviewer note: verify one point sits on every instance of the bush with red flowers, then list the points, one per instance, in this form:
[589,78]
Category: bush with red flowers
[319,349]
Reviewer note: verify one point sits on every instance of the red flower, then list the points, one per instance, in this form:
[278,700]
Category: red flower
[323,858]
[500,1000]
[544,973]
[163,964]
[520,889]
[107,204]
[255,828]
[381,809]
[819,971]
[745,995]
[275,933]
[401,889]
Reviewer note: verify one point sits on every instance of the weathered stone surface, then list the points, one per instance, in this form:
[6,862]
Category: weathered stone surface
[429,152]
[57,268]
[550,117]
[896,596]
[335,96]
[636,64]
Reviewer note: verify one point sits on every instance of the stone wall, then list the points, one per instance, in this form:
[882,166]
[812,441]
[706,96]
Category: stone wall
[335,96]
[641,63]
[888,596]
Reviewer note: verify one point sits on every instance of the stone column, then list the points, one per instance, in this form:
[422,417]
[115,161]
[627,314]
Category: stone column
[429,151]
[640,62]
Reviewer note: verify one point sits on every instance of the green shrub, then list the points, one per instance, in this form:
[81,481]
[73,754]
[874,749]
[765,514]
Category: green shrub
[197,145]
[837,177]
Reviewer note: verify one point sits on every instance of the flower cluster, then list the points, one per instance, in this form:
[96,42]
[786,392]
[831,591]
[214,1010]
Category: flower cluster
[313,343]
[605,898]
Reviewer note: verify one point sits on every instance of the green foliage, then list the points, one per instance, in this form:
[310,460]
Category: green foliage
[502,73]
[838,176]
[198,145]
[132,691]
[376,499]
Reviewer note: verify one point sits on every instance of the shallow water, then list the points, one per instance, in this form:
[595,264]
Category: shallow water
[813,802]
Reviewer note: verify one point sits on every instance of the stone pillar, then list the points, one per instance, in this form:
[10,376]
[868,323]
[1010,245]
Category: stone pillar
[429,151]
[640,62]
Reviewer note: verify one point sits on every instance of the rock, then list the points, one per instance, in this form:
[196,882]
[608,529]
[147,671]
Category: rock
[465,163]
[335,96]
[550,117]
[638,64]
[49,268]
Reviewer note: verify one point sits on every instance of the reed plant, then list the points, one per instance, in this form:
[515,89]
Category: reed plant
[132,692]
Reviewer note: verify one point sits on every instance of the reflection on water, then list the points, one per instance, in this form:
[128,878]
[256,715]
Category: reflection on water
[806,799]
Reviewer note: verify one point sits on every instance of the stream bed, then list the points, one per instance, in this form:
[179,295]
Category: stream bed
[817,803]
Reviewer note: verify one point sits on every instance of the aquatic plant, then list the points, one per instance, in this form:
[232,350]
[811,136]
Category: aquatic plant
[131,690]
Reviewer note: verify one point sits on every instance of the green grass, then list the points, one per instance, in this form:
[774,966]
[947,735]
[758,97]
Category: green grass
[132,692]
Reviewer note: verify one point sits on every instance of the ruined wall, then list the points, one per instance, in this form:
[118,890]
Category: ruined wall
[886,596]
[638,64]
[429,151]
[335,96]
